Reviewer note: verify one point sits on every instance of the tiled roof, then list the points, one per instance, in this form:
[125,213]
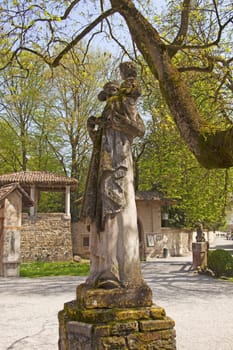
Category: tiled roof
[7,189]
[155,196]
[149,195]
[41,179]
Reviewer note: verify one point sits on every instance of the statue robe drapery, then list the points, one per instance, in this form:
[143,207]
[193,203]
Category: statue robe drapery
[109,201]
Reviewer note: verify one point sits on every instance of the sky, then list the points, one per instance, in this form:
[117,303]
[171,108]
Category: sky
[102,41]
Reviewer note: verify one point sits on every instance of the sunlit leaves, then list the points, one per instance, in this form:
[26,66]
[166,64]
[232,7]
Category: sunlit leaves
[168,165]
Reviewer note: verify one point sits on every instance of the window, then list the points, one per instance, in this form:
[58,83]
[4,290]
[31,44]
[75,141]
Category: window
[85,241]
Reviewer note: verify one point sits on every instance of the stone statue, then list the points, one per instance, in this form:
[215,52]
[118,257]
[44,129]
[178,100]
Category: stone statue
[200,237]
[109,206]
[114,307]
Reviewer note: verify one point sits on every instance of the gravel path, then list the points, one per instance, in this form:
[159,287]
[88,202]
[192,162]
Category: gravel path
[201,306]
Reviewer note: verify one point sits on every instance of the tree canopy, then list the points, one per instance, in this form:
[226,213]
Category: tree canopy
[43,117]
[197,39]
[167,165]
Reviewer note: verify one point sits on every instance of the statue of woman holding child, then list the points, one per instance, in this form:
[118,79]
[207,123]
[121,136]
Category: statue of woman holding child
[109,206]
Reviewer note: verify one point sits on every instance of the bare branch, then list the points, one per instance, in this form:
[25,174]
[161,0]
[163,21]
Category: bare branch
[58,155]
[87,30]
[9,62]
[217,14]
[181,35]
[117,41]
[139,155]
[69,9]
[89,43]
[213,43]
[207,69]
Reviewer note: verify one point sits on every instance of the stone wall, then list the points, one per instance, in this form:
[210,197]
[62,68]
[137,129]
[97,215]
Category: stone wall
[176,242]
[80,239]
[154,239]
[149,215]
[210,236]
[48,238]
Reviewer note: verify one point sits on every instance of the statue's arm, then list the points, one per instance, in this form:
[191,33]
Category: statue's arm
[94,125]
[128,126]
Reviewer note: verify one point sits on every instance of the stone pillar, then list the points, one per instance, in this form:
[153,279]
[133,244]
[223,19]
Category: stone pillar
[11,236]
[67,202]
[1,236]
[33,197]
[200,250]
[101,319]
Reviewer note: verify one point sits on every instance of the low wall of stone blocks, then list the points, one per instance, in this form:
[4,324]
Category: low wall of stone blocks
[46,238]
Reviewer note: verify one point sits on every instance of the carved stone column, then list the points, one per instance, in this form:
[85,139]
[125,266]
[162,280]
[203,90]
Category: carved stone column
[67,202]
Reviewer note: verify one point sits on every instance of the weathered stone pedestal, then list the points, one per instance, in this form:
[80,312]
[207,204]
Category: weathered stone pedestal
[10,269]
[200,254]
[114,319]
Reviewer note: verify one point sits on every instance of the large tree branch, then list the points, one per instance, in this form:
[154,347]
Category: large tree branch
[212,150]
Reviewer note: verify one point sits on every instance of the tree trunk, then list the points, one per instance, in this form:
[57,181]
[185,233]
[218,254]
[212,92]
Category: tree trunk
[211,150]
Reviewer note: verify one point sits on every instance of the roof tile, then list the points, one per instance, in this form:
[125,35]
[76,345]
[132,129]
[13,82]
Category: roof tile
[44,178]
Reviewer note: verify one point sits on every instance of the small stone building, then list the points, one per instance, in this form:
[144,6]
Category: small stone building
[154,239]
[12,197]
[44,236]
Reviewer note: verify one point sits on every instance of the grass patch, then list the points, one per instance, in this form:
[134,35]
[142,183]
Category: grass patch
[228,279]
[58,268]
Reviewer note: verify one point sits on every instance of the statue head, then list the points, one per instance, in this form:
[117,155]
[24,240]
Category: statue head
[128,70]
[110,89]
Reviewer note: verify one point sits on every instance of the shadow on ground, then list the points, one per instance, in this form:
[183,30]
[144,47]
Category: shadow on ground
[40,286]
[177,280]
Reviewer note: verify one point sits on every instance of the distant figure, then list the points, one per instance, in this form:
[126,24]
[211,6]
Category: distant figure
[109,201]
[200,234]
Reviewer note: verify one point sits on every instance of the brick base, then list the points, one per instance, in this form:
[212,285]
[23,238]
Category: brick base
[134,328]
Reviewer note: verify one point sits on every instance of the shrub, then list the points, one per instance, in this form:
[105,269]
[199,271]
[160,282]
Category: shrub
[221,262]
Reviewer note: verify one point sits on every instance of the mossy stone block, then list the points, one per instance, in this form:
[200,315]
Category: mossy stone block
[132,314]
[155,340]
[124,328]
[154,325]
[91,298]
[157,312]
[111,343]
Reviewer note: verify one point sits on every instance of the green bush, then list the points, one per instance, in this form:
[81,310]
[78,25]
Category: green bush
[220,262]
